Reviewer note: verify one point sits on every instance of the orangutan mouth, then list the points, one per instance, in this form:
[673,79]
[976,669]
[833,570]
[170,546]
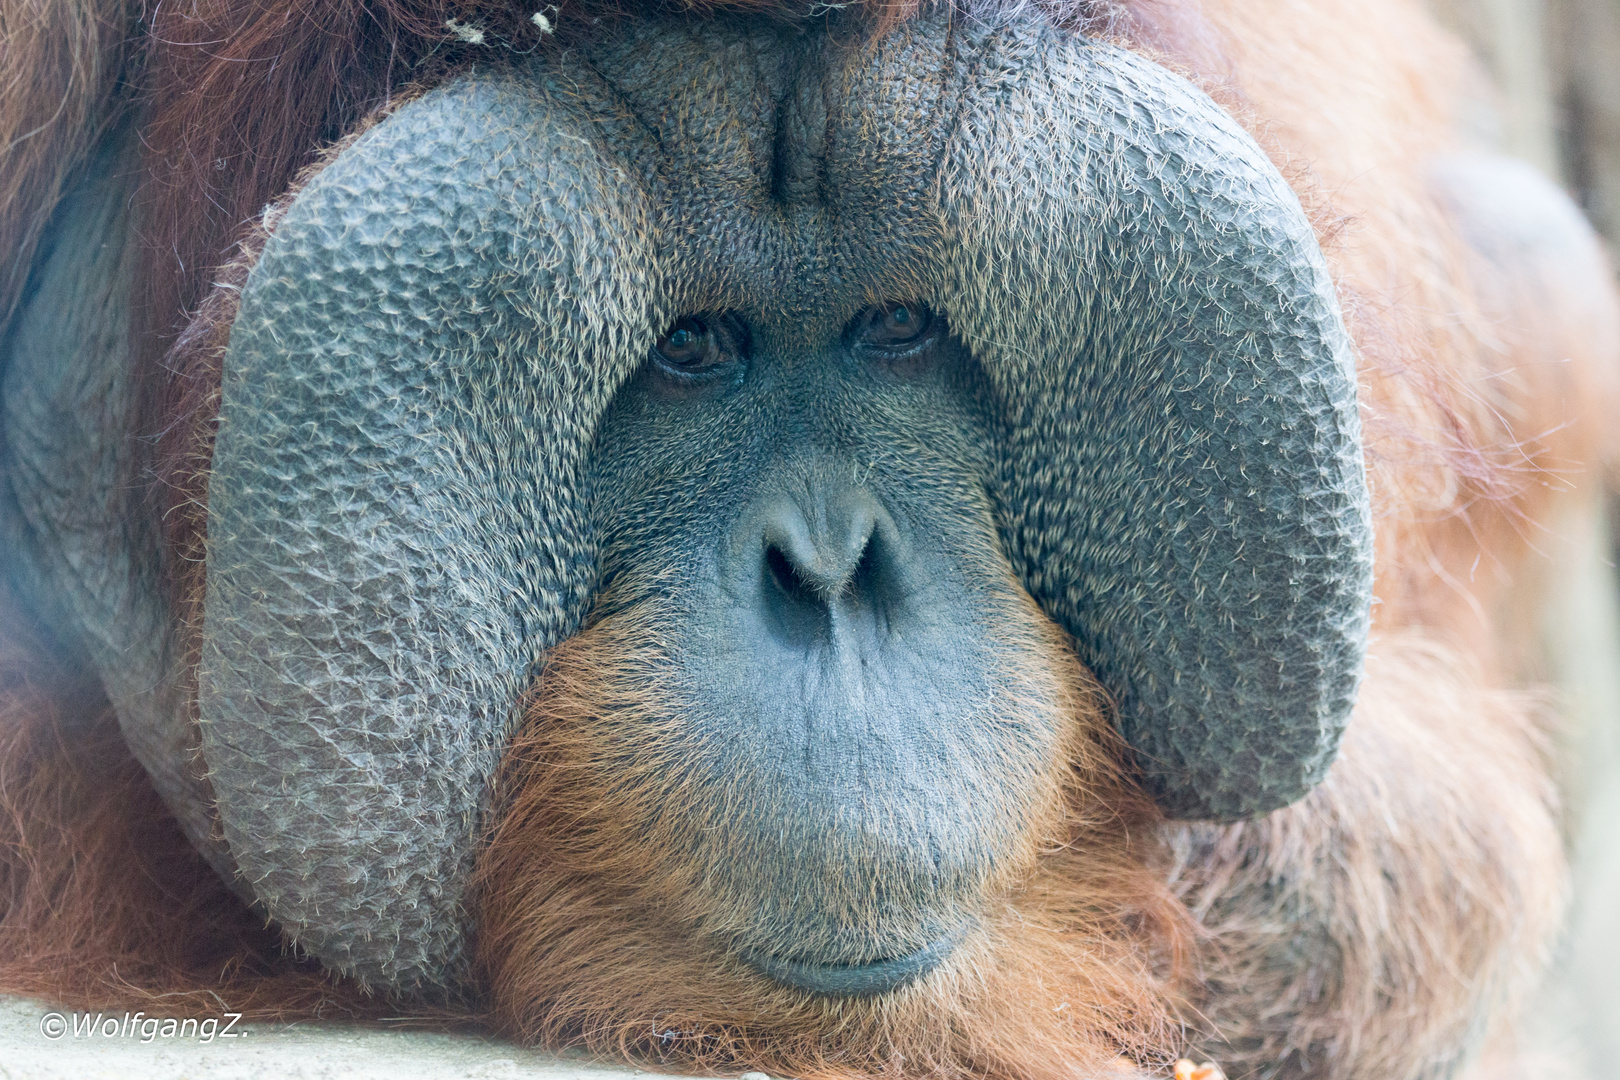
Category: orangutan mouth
[858,980]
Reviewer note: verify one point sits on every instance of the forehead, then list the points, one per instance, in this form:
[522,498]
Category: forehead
[790,176]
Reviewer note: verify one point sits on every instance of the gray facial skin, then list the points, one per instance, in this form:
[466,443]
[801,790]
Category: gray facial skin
[440,434]
[844,634]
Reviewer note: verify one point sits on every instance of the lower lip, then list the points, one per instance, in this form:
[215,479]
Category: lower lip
[857,980]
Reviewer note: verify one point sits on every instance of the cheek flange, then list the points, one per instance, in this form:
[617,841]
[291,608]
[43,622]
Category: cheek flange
[441,317]
[394,535]
[1184,483]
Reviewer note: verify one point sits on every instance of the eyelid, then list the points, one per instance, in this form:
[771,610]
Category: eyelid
[727,338]
[874,318]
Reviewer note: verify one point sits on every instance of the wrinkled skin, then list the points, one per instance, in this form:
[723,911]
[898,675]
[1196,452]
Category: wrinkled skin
[503,310]
[738,544]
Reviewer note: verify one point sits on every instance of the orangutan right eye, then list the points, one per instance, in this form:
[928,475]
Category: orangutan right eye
[690,346]
[895,325]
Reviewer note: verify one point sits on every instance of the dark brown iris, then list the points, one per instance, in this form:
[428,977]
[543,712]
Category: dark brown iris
[689,345]
[896,324]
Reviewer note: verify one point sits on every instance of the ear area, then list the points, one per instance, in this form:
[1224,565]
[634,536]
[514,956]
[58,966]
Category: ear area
[395,526]
[1184,486]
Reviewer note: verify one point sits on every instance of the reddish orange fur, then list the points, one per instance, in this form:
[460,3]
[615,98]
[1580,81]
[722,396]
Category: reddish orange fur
[62,64]
[103,901]
[591,931]
[1361,932]
[1429,859]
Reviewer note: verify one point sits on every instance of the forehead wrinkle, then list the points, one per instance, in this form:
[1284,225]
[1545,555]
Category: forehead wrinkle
[797,183]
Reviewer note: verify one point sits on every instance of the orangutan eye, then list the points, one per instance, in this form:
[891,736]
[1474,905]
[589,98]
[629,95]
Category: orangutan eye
[689,345]
[895,324]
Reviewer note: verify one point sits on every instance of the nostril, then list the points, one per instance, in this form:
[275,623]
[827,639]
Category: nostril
[810,586]
[795,609]
[864,579]
[787,576]
[817,572]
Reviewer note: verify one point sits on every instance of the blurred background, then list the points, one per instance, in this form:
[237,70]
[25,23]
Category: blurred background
[1549,92]
[1553,74]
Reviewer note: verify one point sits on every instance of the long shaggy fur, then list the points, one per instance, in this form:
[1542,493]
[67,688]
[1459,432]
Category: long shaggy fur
[63,62]
[103,901]
[1375,930]
[1371,931]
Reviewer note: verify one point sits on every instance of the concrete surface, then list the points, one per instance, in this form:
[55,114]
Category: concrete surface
[309,1051]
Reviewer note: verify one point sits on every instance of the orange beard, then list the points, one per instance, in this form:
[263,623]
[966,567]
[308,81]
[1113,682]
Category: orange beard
[595,929]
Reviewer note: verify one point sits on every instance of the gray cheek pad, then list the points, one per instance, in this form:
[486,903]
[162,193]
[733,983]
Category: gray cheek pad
[1184,489]
[396,528]
[395,531]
